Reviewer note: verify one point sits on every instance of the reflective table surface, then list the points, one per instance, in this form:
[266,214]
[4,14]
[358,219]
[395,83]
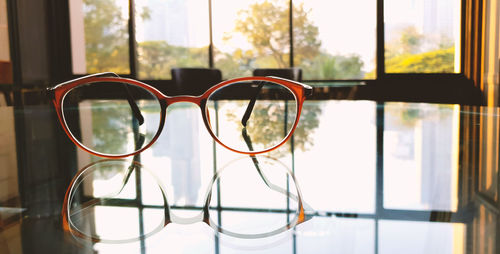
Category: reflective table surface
[381,177]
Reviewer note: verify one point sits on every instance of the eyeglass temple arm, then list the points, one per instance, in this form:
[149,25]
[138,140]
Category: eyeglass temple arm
[307,209]
[125,180]
[274,187]
[251,105]
[138,144]
[308,91]
[132,166]
[130,98]
[135,109]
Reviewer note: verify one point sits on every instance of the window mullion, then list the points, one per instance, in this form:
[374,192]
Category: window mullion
[131,39]
[291,33]
[380,62]
[210,35]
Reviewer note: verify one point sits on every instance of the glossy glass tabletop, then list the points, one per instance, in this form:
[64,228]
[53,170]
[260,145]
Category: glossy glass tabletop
[381,177]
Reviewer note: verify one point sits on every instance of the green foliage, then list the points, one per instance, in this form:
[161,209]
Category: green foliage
[408,42]
[306,44]
[270,130]
[404,55]
[264,24]
[266,125]
[266,27]
[309,121]
[106,38]
[411,40]
[111,122]
[326,66]
[437,61]
[238,64]
[156,58]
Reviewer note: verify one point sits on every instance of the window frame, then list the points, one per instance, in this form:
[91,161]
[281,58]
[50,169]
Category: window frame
[381,74]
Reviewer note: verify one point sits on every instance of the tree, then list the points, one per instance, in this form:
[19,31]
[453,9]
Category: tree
[106,37]
[404,55]
[326,66]
[270,118]
[236,64]
[156,58]
[274,128]
[266,27]
[111,122]
[411,40]
[437,61]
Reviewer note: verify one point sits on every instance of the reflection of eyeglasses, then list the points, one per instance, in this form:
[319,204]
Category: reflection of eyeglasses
[97,194]
[107,115]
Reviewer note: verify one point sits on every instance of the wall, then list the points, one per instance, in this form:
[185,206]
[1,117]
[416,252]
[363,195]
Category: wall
[8,158]
[490,52]
[4,33]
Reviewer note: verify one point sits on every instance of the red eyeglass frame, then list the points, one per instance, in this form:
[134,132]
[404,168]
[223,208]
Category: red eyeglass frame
[58,92]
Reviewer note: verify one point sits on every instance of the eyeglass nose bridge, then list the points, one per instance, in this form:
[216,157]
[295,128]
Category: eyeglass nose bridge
[183,98]
[198,100]
[187,220]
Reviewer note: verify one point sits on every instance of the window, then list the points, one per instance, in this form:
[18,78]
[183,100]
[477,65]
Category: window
[99,36]
[171,34]
[329,40]
[332,43]
[250,34]
[422,36]
[350,181]
[420,149]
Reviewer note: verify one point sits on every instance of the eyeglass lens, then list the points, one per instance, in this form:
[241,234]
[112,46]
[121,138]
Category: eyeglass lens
[264,111]
[111,117]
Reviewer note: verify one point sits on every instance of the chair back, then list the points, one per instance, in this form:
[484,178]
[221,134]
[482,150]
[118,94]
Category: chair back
[194,81]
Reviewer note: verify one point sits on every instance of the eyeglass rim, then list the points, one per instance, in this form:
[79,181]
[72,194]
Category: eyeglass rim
[57,94]
[303,213]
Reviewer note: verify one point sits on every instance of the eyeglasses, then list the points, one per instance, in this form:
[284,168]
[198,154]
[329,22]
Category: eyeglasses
[97,194]
[109,116]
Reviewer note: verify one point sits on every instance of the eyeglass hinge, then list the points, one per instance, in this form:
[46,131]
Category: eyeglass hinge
[308,91]
[49,93]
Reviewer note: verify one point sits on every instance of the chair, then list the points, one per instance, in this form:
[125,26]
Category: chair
[194,81]
[288,73]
